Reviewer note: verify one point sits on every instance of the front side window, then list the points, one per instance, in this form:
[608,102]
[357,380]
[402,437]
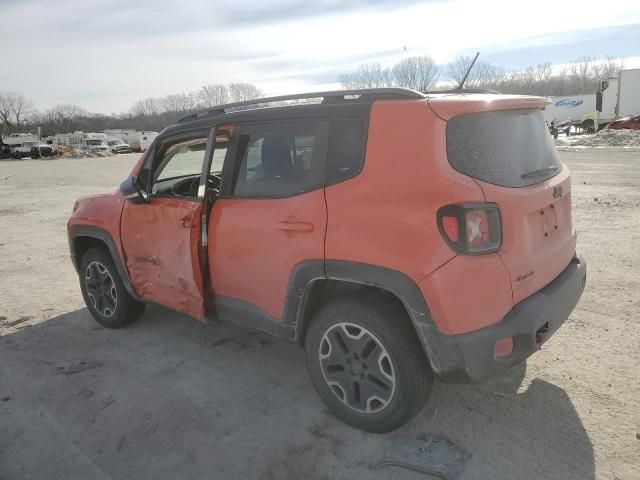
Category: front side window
[179,170]
[282,159]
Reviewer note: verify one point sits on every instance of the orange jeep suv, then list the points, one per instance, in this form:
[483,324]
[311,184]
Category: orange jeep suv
[397,236]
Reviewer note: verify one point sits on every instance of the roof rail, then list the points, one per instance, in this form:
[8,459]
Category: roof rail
[374,93]
[463,90]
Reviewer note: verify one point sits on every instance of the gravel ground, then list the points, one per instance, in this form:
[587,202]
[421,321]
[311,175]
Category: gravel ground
[172,398]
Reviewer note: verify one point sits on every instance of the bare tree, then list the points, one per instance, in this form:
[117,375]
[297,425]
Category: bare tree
[6,117]
[147,107]
[559,82]
[212,95]
[417,73]
[609,67]
[63,118]
[368,75]
[581,74]
[482,75]
[587,72]
[244,91]
[14,109]
[179,102]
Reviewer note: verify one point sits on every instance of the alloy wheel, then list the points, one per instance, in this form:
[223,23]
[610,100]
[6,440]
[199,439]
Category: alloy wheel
[101,289]
[357,367]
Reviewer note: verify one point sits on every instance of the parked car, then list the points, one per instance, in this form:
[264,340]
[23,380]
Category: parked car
[397,236]
[632,123]
[118,146]
[33,149]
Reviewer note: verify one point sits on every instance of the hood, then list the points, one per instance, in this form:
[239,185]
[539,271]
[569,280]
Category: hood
[93,203]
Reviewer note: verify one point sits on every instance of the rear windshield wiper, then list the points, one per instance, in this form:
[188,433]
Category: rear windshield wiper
[540,171]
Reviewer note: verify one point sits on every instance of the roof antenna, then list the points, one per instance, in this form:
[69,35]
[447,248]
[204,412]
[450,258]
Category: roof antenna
[466,75]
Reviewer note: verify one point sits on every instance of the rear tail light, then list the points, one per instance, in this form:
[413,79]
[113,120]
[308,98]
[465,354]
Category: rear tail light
[471,228]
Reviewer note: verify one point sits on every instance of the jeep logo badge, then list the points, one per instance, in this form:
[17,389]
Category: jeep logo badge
[557,192]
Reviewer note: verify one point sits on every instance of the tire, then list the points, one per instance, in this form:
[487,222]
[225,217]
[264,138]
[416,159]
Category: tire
[389,353]
[104,293]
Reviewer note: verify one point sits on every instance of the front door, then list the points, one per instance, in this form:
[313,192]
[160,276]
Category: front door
[271,216]
[161,239]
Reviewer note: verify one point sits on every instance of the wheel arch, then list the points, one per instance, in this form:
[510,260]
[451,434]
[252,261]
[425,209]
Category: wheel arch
[84,237]
[343,278]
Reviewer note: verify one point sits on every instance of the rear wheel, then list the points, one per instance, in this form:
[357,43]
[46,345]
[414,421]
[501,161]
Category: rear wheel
[104,292]
[367,364]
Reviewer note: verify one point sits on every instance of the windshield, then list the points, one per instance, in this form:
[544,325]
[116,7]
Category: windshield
[511,148]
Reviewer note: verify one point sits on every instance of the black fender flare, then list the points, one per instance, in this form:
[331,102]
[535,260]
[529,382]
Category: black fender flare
[97,233]
[439,350]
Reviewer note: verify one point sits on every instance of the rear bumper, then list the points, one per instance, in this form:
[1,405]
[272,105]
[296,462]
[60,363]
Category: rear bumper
[470,356]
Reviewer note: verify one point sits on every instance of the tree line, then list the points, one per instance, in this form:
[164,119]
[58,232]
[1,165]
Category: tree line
[18,113]
[422,73]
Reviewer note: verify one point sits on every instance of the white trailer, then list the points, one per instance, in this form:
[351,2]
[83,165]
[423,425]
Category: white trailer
[140,141]
[120,133]
[574,109]
[619,96]
[73,140]
[16,139]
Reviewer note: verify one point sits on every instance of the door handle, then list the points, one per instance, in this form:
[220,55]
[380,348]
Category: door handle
[186,221]
[295,226]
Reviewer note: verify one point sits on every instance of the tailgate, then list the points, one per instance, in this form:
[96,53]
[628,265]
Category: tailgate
[512,156]
[539,238]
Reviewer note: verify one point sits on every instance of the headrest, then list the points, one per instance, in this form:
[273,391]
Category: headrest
[276,157]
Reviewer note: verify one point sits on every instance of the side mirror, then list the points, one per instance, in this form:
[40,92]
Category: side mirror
[133,192]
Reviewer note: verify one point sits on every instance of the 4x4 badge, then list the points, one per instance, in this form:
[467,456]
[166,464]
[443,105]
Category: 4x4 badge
[557,192]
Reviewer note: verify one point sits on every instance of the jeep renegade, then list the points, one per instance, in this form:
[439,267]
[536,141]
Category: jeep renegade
[398,236]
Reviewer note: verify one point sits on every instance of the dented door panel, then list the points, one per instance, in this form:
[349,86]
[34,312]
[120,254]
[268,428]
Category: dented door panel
[160,241]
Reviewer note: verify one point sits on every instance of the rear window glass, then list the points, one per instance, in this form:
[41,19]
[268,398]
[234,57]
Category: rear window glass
[510,148]
[346,149]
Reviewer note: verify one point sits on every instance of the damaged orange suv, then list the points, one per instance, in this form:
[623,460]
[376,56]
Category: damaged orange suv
[398,236]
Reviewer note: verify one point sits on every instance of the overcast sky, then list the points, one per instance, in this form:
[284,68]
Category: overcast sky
[105,54]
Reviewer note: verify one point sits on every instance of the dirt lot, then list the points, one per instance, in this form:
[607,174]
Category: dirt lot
[172,398]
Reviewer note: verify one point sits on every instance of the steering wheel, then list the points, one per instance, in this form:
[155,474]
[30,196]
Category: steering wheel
[213,184]
[184,188]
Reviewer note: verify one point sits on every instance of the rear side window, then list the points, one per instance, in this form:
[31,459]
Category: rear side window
[346,149]
[280,159]
[510,148]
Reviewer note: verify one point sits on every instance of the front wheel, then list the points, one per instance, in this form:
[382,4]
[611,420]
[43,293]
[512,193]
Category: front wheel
[367,364]
[104,292]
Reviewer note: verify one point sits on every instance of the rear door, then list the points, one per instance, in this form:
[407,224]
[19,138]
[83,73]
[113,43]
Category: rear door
[512,156]
[271,215]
